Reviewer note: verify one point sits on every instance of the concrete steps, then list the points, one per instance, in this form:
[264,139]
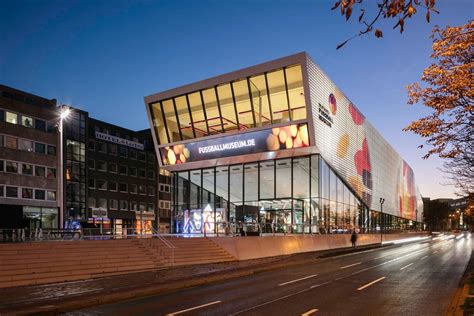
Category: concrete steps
[61,261]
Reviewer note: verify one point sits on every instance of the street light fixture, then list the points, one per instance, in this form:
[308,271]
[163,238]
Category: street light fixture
[65,112]
[382,200]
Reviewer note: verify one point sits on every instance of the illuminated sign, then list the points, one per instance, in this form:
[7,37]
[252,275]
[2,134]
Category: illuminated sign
[271,139]
[118,140]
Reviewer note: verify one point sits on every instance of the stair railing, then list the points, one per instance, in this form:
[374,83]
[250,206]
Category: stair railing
[169,245]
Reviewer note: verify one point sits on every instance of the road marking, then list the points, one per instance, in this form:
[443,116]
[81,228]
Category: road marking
[193,308]
[310,312]
[424,257]
[369,284]
[403,268]
[306,277]
[320,284]
[350,265]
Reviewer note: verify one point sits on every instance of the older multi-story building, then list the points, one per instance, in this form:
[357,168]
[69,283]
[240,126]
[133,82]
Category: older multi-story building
[28,160]
[110,176]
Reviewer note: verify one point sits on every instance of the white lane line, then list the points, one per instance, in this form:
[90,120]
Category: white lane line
[403,268]
[320,284]
[297,280]
[193,308]
[424,257]
[369,284]
[310,312]
[350,265]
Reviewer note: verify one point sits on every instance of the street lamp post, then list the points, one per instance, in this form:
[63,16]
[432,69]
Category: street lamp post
[382,200]
[65,111]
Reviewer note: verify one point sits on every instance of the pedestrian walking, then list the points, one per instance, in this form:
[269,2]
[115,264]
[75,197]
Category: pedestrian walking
[353,238]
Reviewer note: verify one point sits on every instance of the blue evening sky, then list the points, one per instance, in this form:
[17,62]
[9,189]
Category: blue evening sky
[105,56]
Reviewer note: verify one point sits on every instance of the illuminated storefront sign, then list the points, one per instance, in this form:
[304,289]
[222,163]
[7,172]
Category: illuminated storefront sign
[118,140]
[286,137]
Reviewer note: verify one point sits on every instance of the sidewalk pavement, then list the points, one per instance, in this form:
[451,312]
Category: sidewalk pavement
[51,299]
[462,302]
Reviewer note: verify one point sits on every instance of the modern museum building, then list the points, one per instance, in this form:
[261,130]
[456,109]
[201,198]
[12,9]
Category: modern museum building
[278,148]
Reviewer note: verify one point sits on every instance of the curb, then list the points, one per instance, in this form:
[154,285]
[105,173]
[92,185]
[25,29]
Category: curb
[462,292]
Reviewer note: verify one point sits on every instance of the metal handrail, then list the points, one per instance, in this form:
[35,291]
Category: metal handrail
[170,246]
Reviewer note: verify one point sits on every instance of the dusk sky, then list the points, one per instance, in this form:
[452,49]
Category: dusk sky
[105,56]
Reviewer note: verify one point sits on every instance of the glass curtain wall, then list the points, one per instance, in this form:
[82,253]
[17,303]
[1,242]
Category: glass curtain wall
[273,97]
[291,195]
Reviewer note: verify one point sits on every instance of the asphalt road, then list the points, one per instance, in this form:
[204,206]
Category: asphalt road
[412,279]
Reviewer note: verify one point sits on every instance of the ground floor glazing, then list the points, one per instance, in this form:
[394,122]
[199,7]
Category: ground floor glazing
[290,195]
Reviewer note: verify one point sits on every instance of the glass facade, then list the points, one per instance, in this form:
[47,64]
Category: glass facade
[273,97]
[75,161]
[283,195]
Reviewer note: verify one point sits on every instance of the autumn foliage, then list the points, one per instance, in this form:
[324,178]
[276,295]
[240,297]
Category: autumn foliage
[446,88]
[397,10]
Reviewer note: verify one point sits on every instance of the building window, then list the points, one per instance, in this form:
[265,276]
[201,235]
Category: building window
[27,193]
[91,183]
[26,145]
[2,165]
[91,144]
[113,204]
[101,147]
[1,141]
[91,202]
[102,203]
[26,121]
[51,195]
[40,148]
[11,117]
[151,207]
[11,192]
[123,187]
[51,173]
[164,188]
[133,188]
[151,158]
[164,204]
[101,184]
[123,169]
[132,154]
[27,169]
[122,151]
[142,190]
[40,171]
[151,191]
[112,149]
[151,174]
[11,142]
[142,207]
[133,206]
[101,165]
[40,194]
[141,156]
[2,115]
[1,190]
[123,205]
[112,186]
[40,125]
[112,167]
[50,127]
[142,173]
[11,167]
[51,150]
[133,171]
[91,163]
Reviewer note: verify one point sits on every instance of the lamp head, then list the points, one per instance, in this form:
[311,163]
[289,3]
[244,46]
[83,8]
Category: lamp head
[65,111]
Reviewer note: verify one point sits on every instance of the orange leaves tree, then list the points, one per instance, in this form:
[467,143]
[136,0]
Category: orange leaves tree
[397,10]
[446,88]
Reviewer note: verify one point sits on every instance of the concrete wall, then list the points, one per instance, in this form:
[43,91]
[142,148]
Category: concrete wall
[244,248]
